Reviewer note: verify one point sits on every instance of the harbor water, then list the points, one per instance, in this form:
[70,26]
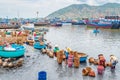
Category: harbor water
[78,38]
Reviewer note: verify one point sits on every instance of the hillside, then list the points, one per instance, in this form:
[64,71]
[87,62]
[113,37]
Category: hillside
[84,10]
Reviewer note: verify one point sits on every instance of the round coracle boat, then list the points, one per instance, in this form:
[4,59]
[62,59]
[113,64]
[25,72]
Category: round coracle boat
[14,51]
[37,45]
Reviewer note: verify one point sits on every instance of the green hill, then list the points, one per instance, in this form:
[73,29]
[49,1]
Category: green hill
[77,11]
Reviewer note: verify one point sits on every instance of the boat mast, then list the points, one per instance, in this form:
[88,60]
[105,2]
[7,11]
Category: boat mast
[37,14]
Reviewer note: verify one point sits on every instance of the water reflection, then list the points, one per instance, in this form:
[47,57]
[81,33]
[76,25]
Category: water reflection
[78,38]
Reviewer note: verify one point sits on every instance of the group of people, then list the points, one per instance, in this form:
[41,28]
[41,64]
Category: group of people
[56,49]
[102,61]
[33,35]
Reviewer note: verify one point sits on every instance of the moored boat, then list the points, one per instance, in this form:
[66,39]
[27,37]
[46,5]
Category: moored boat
[101,25]
[15,51]
[41,24]
[78,22]
[105,23]
[28,26]
[82,56]
[37,45]
[56,24]
[9,26]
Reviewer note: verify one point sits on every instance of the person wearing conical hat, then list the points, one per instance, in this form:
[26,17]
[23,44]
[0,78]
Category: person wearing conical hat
[68,49]
[56,49]
[114,61]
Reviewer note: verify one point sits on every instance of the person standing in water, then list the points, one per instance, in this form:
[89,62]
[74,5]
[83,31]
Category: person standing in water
[102,60]
[56,49]
[114,61]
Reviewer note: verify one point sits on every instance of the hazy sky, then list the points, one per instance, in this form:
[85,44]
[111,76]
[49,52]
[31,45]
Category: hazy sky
[29,8]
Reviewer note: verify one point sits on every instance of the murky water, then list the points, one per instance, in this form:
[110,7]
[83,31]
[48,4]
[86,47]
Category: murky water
[78,38]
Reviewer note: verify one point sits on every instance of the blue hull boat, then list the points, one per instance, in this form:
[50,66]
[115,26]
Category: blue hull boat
[38,46]
[82,56]
[19,51]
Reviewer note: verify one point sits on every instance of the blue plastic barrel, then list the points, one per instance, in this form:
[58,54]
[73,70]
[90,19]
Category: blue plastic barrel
[42,75]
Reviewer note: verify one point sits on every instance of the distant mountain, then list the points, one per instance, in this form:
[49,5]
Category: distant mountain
[77,11]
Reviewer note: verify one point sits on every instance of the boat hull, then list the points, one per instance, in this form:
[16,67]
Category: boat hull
[10,27]
[99,26]
[83,58]
[41,24]
[77,23]
[20,50]
[38,46]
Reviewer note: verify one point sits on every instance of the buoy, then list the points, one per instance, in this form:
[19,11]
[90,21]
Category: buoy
[51,55]
[108,64]
[1,62]
[89,69]
[10,65]
[5,64]
[91,60]
[92,73]
[84,72]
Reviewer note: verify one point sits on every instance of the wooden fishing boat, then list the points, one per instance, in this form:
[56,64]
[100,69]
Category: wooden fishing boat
[9,27]
[41,24]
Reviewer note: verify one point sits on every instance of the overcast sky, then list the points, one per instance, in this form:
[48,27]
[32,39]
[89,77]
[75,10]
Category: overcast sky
[29,8]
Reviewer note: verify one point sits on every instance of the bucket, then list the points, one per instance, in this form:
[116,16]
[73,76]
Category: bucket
[100,69]
[42,75]
[27,43]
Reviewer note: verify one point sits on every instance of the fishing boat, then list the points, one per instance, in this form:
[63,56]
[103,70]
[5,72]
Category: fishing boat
[80,22]
[27,26]
[41,24]
[104,26]
[109,22]
[82,56]
[57,24]
[9,26]
[12,52]
[37,45]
